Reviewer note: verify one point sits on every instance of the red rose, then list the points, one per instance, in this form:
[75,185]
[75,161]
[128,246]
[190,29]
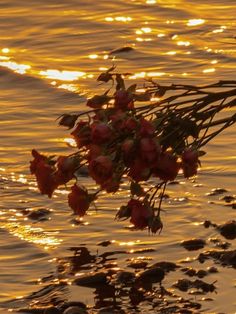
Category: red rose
[101,169]
[123,100]
[128,149]
[117,118]
[167,167]
[189,162]
[94,151]
[190,156]
[37,158]
[66,167]
[111,185]
[44,173]
[82,134]
[101,133]
[130,124]
[147,129]
[140,214]
[79,200]
[149,150]
[139,171]
[45,178]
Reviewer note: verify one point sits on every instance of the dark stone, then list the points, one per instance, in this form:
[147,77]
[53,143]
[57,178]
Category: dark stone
[217,191]
[193,244]
[189,271]
[201,273]
[166,266]
[228,230]
[227,198]
[39,214]
[226,258]
[155,274]
[125,277]
[91,280]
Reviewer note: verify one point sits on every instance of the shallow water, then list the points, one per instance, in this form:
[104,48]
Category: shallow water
[50,55]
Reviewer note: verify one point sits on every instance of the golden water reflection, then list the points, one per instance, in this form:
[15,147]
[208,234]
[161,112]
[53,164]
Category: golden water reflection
[32,234]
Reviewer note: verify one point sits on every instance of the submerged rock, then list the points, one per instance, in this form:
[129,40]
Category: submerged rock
[39,214]
[154,274]
[228,229]
[217,191]
[186,284]
[193,244]
[92,279]
[166,266]
[225,258]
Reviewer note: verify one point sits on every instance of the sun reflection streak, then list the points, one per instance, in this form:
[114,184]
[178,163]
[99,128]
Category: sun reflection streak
[195,22]
[32,235]
[62,75]
[16,67]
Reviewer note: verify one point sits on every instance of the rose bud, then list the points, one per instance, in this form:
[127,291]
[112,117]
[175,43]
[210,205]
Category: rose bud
[130,124]
[79,200]
[139,171]
[37,158]
[101,133]
[167,167]
[82,134]
[123,100]
[149,150]
[94,151]
[101,169]
[190,156]
[117,119]
[190,162]
[140,214]
[66,166]
[147,129]
[45,178]
[128,149]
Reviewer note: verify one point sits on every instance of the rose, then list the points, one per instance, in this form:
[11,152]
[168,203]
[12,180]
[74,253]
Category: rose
[147,129]
[100,133]
[167,167]
[128,149]
[44,173]
[101,169]
[139,170]
[37,159]
[123,100]
[82,134]
[190,162]
[79,200]
[140,213]
[149,150]
[45,178]
[130,124]
[66,166]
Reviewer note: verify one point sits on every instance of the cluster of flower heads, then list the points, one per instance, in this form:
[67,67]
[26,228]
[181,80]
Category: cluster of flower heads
[116,142]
